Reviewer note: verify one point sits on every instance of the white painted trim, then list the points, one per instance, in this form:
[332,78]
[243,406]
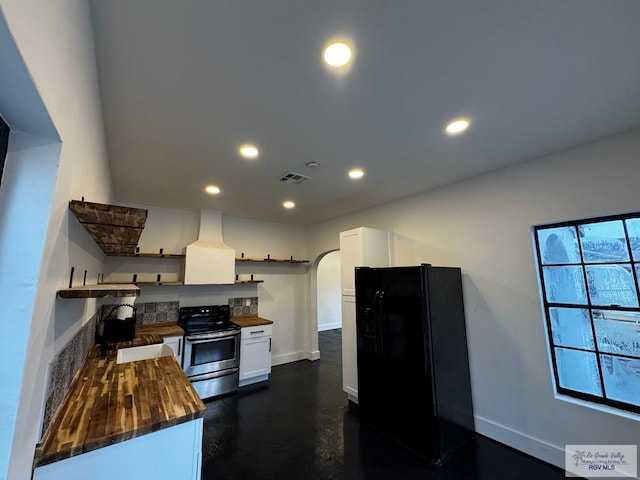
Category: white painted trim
[532,446]
[329,326]
[294,357]
[288,358]
[351,392]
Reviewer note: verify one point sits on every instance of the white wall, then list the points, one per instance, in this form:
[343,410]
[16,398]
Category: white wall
[328,292]
[282,297]
[483,225]
[56,43]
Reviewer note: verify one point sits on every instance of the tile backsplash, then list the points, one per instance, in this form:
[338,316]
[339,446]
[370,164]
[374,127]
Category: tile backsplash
[64,367]
[239,306]
[150,312]
[157,312]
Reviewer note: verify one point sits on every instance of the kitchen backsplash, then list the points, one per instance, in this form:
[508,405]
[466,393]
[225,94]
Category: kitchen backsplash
[64,367]
[157,312]
[239,306]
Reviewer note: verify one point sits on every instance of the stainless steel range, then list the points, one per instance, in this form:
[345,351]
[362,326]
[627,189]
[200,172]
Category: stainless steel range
[211,349]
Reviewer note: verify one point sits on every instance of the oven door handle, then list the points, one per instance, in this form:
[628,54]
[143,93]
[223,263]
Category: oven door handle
[210,336]
[212,375]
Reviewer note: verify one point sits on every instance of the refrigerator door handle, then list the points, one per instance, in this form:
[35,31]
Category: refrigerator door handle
[379,320]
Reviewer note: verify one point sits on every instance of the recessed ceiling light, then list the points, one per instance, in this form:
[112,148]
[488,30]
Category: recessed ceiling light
[288,204]
[248,151]
[356,173]
[212,189]
[337,54]
[457,126]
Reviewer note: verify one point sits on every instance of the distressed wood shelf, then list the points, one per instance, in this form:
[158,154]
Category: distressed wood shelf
[103,290]
[150,255]
[271,260]
[116,229]
[173,284]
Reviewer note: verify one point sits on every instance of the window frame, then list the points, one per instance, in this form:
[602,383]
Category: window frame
[4,144]
[633,263]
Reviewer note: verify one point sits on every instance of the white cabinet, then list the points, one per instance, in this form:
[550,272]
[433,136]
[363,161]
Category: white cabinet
[255,354]
[359,247]
[176,343]
[349,348]
[172,453]
[362,247]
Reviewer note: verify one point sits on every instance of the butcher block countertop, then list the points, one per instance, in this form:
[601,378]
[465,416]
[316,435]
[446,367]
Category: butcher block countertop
[109,403]
[162,329]
[250,321]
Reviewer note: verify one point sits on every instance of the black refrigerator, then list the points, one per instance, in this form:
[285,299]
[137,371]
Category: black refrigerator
[413,367]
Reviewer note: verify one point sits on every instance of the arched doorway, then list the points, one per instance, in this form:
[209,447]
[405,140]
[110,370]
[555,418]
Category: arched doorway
[328,306]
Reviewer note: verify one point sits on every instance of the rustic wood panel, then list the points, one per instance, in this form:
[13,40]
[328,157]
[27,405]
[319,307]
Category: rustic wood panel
[114,228]
[110,403]
[149,337]
[103,214]
[162,329]
[114,235]
[111,249]
[103,290]
[250,321]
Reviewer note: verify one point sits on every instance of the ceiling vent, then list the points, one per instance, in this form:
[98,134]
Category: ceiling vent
[293,178]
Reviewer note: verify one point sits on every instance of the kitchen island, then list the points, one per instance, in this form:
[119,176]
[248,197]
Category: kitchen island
[140,419]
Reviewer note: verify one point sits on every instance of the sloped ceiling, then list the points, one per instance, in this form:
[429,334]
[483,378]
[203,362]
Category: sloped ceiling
[184,82]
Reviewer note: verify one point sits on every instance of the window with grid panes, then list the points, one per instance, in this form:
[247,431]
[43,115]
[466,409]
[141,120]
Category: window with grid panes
[589,273]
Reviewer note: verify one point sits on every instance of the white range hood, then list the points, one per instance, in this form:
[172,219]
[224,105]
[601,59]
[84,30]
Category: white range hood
[208,259]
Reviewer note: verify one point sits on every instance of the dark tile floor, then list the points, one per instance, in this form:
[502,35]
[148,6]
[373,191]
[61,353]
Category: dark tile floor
[299,427]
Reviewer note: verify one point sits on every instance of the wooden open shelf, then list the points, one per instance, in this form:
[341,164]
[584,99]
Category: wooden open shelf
[271,260]
[148,255]
[162,284]
[103,290]
[116,229]
[152,255]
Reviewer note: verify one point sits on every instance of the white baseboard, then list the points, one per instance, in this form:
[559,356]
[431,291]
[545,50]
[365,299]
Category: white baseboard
[294,357]
[288,358]
[518,440]
[329,326]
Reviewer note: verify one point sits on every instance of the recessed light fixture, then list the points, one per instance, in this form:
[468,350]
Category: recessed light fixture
[457,126]
[212,189]
[248,151]
[337,54]
[356,173]
[288,204]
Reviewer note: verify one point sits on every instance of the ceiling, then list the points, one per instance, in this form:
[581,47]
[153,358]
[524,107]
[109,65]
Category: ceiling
[185,82]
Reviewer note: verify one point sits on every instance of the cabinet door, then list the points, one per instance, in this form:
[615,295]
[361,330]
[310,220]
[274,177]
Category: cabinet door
[349,348]
[350,257]
[255,357]
[170,453]
[176,343]
[362,247]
